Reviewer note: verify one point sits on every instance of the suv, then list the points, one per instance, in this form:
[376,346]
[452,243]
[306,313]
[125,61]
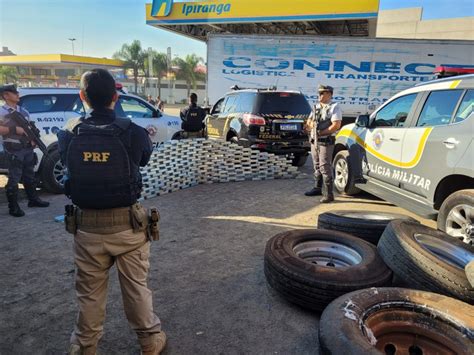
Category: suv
[51,108]
[264,119]
[416,151]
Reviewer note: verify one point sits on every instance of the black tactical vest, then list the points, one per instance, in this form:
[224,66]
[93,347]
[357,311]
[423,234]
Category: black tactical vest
[99,167]
[193,119]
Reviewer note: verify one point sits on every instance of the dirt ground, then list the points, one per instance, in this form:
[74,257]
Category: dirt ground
[206,273]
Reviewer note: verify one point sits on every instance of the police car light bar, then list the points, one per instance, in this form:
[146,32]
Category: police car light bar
[443,71]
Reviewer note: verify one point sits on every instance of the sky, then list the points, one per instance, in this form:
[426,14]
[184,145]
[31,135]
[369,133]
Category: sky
[100,27]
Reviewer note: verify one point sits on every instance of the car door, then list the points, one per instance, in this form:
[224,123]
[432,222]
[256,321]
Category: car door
[384,138]
[47,111]
[142,114]
[213,117]
[437,140]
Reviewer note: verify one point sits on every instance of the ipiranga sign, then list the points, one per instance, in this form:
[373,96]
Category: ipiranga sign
[242,11]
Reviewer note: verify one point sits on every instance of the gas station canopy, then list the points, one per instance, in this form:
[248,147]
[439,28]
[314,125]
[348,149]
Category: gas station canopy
[197,19]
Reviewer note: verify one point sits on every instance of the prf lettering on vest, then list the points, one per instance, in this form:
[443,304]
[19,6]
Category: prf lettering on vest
[96,157]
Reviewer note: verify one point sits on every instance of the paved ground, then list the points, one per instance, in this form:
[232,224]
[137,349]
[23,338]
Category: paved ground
[206,273]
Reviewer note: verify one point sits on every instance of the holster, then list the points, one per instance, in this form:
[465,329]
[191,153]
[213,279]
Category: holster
[139,218]
[153,232]
[70,219]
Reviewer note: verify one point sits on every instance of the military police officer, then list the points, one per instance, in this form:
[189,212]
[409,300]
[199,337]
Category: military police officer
[103,154]
[193,118]
[19,151]
[323,124]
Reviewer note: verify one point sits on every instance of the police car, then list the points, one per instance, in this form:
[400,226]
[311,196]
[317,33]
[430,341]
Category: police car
[416,151]
[51,108]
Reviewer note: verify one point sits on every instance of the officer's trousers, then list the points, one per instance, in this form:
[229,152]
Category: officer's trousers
[21,167]
[94,255]
[322,162]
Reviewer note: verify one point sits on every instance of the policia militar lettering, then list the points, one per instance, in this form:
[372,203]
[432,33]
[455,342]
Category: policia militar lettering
[322,125]
[103,154]
[19,143]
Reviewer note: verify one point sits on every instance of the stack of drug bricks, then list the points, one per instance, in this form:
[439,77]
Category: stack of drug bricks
[180,164]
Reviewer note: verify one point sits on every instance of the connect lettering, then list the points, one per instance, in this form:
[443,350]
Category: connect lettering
[96,157]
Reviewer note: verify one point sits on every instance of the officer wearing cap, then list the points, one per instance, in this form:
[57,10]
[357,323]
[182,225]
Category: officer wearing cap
[20,155]
[103,154]
[323,124]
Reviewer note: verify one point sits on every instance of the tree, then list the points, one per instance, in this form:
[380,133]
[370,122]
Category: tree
[159,66]
[8,74]
[187,70]
[134,57]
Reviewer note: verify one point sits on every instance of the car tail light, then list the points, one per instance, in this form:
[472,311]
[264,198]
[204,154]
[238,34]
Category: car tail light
[253,119]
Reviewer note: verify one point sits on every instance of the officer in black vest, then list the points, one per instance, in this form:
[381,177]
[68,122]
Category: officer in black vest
[103,154]
[193,118]
[20,154]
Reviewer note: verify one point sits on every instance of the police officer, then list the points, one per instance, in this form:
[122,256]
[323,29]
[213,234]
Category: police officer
[323,124]
[103,154]
[193,118]
[19,151]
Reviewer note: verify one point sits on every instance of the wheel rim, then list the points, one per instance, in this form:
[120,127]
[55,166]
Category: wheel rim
[59,172]
[445,250]
[326,253]
[460,223]
[342,174]
[399,330]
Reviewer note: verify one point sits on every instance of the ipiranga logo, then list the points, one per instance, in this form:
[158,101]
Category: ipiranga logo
[161,7]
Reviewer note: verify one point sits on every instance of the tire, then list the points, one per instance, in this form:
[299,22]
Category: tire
[427,259]
[52,172]
[366,225]
[343,177]
[470,272]
[456,216]
[233,140]
[290,266]
[299,160]
[396,321]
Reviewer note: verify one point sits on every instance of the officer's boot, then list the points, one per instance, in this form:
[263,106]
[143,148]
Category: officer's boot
[13,207]
[316,190]
[75,349]
[153,344]
[33,198]
[328,194]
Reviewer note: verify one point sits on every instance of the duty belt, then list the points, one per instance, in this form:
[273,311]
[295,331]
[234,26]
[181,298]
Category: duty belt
[327,139]
[113,220]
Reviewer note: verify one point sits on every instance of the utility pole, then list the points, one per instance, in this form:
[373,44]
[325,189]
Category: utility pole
[72,43]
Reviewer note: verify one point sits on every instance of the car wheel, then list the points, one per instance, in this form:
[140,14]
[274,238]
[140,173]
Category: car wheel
[299,160]
[456,216]
[313,267]
[234,140]
[366,225]
[470,272]
[343,176]
[396,321]
[427,259]
[53,172]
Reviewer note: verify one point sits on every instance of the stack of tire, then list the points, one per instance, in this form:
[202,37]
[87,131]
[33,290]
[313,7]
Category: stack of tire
[345,269]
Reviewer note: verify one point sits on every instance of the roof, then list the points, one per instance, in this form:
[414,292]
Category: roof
[59,60]
[199,18]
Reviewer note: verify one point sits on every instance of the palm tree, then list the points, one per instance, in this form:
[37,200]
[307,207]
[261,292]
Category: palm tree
[159,66]
[8,74]
[134,58]
[187,70]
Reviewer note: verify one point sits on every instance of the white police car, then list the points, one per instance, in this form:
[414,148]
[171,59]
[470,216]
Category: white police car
[51,108]
[416,151]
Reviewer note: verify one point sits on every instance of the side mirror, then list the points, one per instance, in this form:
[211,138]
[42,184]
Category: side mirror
[362,121]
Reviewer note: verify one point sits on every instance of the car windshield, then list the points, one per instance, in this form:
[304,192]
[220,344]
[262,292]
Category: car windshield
[282,103]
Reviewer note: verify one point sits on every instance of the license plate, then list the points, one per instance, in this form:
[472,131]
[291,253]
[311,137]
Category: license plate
[289,127]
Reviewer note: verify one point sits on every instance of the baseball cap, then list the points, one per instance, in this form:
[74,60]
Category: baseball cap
[8,88]
[323,88]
